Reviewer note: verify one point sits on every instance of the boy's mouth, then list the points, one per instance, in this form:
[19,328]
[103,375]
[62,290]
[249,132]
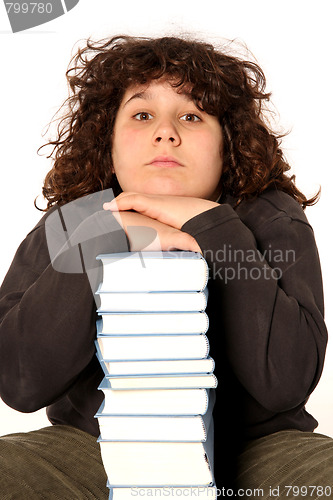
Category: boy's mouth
[166,161]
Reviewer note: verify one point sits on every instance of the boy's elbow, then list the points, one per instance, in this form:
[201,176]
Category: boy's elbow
[283,397]
[15,396]
[283,403]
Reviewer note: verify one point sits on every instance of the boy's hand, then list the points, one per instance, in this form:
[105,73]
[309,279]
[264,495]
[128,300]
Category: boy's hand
[171,210]
[163,238]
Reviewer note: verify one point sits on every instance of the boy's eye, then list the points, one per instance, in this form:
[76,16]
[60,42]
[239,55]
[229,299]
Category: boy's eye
[190,117]
[143,116]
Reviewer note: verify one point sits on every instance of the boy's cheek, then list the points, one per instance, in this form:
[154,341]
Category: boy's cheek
[130,142]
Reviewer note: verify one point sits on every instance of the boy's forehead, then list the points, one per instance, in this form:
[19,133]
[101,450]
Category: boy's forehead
[149,91]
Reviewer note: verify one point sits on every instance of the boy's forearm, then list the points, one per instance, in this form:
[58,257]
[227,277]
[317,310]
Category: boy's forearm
[47,327]
[271,320]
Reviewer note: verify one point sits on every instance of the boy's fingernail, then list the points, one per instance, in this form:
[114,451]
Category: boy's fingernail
[110,204]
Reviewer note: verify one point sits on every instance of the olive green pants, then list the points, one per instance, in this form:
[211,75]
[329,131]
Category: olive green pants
[63,463]
[55,463]
[288,464]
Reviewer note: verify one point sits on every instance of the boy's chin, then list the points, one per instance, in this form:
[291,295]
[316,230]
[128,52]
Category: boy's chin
[163,188]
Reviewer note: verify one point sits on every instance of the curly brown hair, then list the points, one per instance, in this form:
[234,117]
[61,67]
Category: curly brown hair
[219,83]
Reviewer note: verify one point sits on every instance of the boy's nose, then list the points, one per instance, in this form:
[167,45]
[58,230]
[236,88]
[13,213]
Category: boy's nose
[167,132]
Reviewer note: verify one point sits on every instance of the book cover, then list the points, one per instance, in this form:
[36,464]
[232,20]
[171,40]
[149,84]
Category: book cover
[153,463]
[161,491]
[152,428]
[153,401]
[157,428]
[152,301]
[153,347]
[155,367]
[136,323]
[186,380]
[153,271]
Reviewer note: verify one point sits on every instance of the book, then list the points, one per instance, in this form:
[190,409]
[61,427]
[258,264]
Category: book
[153,367]
[152,301]
[150,428]
[156,424]
[151,347]
[153,271]
[153,401]
[184,492]
[208,381]
[152,323]
[138,463]
[157,428]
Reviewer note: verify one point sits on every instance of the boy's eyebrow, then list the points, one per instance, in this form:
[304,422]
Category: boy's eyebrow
[139,95]
[145,94]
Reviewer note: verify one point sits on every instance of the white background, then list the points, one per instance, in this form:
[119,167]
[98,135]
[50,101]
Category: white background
[291,41]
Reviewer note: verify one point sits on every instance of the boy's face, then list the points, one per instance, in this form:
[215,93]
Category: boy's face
[163,144]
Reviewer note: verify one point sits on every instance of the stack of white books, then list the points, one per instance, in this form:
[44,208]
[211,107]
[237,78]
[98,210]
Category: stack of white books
[156,425]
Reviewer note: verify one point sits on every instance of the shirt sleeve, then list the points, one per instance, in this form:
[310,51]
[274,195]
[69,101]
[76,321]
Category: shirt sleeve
[47,320]
[265,273]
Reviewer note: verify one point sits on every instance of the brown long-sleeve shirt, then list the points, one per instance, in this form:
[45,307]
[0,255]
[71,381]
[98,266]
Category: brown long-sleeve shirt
[267,333]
